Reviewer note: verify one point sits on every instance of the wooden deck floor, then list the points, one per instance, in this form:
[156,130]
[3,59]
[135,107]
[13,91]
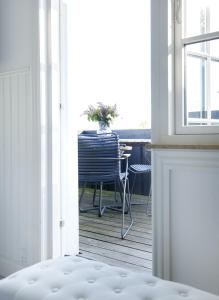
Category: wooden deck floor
[100,237]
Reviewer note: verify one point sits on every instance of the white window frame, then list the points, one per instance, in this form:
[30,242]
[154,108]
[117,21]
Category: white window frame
[179,44]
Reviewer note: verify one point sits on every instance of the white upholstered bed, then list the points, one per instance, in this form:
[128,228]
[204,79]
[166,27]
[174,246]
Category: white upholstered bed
[75,278]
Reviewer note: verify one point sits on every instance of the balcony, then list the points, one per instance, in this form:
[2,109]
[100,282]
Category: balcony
[100,237]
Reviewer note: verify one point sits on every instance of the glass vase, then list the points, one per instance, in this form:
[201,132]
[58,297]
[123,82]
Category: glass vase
[103,128]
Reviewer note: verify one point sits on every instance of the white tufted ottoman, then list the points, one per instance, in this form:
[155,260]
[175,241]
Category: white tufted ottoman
[73,278]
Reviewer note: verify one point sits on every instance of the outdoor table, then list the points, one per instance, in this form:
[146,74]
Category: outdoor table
[136,142]
[143,144]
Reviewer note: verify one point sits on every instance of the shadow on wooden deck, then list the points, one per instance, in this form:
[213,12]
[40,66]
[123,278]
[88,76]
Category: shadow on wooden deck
[100,238]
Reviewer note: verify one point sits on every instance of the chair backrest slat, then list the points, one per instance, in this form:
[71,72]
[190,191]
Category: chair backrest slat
[98,158]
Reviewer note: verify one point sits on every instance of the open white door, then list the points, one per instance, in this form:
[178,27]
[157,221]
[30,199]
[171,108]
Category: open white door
[58,138]
[69,152]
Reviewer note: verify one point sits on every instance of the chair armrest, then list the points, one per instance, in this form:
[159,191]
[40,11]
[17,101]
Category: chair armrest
[125,155]
[125,148]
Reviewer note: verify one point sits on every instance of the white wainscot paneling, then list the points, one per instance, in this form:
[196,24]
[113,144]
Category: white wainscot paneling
[18,172]
[186,217]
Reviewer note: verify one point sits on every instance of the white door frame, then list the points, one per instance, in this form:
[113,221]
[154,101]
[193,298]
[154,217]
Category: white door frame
[69,149]
[59,185]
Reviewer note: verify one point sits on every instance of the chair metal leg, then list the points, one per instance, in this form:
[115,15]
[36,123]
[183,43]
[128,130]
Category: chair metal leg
[149,199]
[133,184]
[129,196]
[115,191]
[116,207]
[128,204]
[81,196]
[121,195]
[83,210]
[125,230]
[94,195]
[101,209]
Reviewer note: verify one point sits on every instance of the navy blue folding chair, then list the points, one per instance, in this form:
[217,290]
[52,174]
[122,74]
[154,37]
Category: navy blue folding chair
[99,161]
[141,169]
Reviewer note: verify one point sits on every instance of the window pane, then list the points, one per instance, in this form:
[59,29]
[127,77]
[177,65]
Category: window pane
[200,16]
[195,92]
[202,84]
[205,49]
[214,92]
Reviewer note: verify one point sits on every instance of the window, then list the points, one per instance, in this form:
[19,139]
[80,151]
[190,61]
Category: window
[197,66]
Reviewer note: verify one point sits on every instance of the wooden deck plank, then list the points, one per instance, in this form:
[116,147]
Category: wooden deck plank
[115,222]
[111,222]
[140,219]
[112,230]
[116,255]
[100,238]
[112,262]
[116,234]
[118,248]
[116,241]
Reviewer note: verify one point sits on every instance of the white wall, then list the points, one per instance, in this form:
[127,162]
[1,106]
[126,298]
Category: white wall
[17,32]
[186,206]
[19,136]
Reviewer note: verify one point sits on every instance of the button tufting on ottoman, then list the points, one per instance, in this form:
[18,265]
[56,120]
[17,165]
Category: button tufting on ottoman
[74,278]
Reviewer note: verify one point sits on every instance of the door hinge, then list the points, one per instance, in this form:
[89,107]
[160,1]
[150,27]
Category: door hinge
[60,105]
[61,223]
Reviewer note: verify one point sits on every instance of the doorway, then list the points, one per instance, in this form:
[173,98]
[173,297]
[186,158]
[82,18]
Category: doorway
[103,59]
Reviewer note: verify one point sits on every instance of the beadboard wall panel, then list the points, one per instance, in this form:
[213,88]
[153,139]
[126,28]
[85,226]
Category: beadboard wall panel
[18,172]
[186,217]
